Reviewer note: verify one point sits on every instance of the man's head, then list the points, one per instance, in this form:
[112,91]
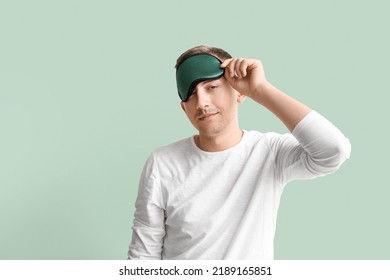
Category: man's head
[211,104]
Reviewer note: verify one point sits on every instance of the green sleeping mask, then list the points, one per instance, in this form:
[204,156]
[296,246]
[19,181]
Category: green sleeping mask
[195,69]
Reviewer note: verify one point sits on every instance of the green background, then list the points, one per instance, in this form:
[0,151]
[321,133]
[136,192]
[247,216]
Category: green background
[87,91]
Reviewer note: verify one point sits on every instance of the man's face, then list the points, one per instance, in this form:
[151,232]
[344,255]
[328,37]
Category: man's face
[212,107]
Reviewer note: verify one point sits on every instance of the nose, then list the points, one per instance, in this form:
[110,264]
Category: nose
[203,98]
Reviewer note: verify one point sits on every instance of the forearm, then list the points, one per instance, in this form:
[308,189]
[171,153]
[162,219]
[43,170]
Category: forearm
[286,108]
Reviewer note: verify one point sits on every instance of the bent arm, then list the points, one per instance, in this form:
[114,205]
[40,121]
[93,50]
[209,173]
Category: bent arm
[322,146]
[318,145]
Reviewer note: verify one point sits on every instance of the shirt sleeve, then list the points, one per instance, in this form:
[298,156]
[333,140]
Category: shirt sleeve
[149,219]
[315,148]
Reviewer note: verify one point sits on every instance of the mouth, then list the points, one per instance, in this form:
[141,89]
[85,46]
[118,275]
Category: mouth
[206,116]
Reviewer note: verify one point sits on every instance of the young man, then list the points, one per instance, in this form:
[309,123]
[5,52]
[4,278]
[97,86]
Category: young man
[215,195]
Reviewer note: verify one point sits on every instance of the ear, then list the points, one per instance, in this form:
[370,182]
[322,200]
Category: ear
[240,98]
[183,106]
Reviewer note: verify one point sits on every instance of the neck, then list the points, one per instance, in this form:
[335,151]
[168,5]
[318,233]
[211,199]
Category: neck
[219,142]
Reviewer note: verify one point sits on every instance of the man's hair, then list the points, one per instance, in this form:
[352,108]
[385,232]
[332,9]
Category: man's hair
[218,52]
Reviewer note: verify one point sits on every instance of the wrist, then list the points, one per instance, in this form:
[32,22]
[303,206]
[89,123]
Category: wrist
[262,91]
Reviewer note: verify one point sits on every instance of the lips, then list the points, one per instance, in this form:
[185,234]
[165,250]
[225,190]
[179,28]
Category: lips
[206,116]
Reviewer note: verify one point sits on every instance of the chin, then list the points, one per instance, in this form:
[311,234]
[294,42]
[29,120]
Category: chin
[209,132]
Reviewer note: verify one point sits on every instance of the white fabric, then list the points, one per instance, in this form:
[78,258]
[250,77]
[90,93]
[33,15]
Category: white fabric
[194,204]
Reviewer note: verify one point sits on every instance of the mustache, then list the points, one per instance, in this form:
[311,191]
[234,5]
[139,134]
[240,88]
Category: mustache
[201,112]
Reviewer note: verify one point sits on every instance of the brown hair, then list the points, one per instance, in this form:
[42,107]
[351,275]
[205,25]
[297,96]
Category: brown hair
[218,52]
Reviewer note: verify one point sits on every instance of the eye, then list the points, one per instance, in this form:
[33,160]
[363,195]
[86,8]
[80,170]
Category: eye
[211,87]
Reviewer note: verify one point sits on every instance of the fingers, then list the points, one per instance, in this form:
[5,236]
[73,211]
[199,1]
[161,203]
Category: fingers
[236,67]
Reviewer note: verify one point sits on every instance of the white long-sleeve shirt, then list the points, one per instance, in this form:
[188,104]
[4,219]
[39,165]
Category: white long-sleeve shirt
[194,204]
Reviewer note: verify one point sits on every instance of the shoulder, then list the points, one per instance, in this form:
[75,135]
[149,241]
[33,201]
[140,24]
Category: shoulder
[271,141]
[167,160]
[255,137]
[167,154]
[174,149]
